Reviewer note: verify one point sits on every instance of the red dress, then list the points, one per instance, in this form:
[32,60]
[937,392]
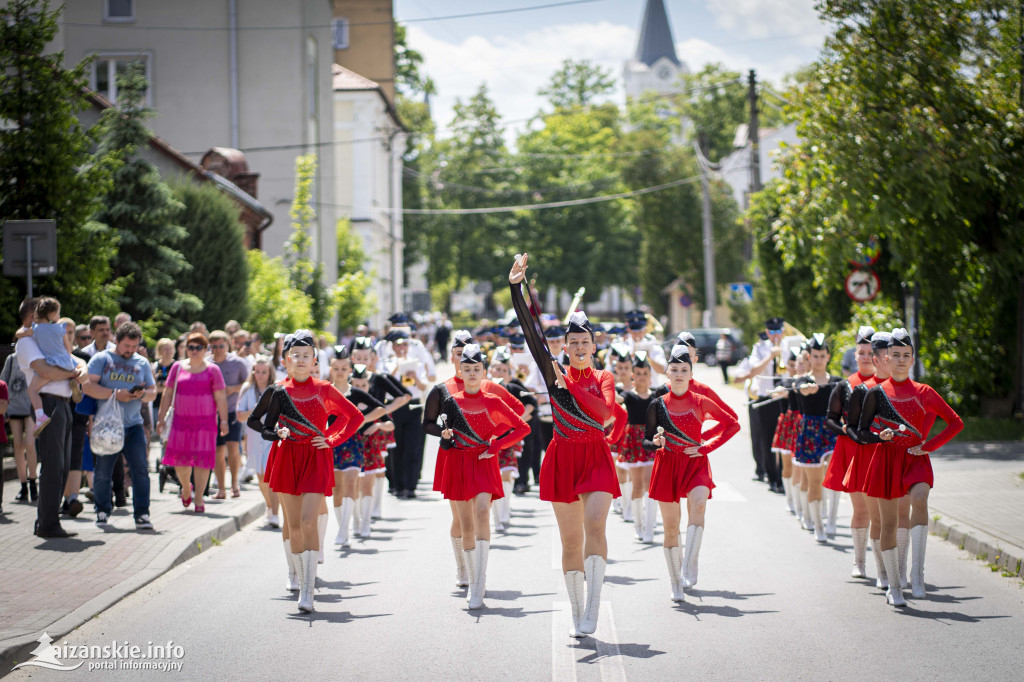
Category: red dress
[476,419]
[845,449]
[856,478]
[296,467]
[676,473]
[892,471]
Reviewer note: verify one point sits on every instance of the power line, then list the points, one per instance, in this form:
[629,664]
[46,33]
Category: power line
[303,27]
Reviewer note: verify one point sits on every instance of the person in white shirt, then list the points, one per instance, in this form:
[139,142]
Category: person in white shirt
[99,327]
[763,370]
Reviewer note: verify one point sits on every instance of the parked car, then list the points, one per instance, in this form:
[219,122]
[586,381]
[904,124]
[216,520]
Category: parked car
[707,338]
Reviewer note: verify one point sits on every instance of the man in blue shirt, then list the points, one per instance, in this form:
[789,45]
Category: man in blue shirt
[126,376]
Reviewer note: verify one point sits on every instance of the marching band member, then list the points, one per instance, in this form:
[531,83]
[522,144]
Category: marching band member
[762,369]
[500,371]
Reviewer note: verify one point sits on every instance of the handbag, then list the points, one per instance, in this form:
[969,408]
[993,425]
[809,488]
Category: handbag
[169,415]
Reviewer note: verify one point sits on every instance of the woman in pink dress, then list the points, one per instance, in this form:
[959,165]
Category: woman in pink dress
[195,389]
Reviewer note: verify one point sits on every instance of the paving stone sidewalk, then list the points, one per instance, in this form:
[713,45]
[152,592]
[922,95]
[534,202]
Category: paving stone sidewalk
[978,500]
[56,585]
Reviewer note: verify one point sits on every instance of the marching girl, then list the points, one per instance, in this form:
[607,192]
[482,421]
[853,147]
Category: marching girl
[431,412]
[348,456]
[837,420]
[302,473]
[681,468]
[374,445]
[387,389]
[620,362]
[814,441]
[501,373]
[261,379]
[478,426]
[785,434]
[577,475]
[699,387]
[632,455]
[900,464]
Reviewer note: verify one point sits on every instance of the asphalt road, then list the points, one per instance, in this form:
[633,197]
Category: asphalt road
[771,604]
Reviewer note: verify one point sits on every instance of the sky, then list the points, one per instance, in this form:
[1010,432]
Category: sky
[516,53]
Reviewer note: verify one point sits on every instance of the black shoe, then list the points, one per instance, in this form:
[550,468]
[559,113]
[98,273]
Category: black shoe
[64,508]
[75,508]
[120,501]
[22,495]
[518,490]
[33,491]
[758,477]
[54,533]
[402,494]
[410,494]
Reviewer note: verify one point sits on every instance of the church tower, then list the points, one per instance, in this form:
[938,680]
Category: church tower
[655,66]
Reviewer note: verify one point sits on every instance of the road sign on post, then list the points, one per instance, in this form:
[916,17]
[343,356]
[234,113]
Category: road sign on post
[30,249]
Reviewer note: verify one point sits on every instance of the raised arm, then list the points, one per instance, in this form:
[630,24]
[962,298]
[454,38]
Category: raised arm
[534,340]
[730,426]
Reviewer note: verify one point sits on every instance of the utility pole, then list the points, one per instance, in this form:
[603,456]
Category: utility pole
[710,297]
[754,136]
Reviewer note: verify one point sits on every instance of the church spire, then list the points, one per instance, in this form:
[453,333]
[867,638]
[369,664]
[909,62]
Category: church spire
[655,36]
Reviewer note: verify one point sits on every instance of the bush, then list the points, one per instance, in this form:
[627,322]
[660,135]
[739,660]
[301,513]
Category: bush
[273,305]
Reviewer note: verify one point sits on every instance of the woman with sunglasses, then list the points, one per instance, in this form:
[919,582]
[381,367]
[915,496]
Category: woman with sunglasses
[302,473]
[577,475]
[195,388]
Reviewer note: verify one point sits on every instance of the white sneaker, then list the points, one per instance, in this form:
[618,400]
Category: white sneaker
[102,519]
[274,520]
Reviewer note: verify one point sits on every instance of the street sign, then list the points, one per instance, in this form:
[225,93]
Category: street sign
[30,249]
[742,292]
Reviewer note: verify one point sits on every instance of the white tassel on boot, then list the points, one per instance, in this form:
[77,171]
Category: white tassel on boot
[483,550]
[378,495]
[593,572]
[833,511]
[694,535]
[321,529]
[293,572]
[882,582]
[674,560]
[860,546]
[461,573]
[787,485]
[307,581]
[473,597]
[919,538]
[637,503]
[894,595]
[506,503]
[366,513]
[819,527]
[344,514]
[574,581]
[903,544]
[650,518]
[627,501]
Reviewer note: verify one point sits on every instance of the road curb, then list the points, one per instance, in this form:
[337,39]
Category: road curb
[18,649]
[986,547]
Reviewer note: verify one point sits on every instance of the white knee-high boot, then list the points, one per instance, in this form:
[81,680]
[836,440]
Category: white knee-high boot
[674,560]
[496,516]
[787,485]
[461,572]
[833,511]
[473,597]
[919,537]
[307,580]
[882,582]
[593,571]
[894,595]
[650,517]
[357,516]
[506,503]
[483,550]
[819,527]
[574,583]
[808,522]
[637,503]
[293,573]
[344,516]
[627,501]
[902,545]
[860,543]
[321,529]
[378,495]
[694,535]
[366,513]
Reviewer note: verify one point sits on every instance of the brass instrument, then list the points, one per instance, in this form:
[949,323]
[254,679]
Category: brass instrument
[653,325]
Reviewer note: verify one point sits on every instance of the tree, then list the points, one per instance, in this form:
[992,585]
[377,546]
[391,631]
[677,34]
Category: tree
[274,306]
[215,247]
[47,168]
[143,211]
[577,84]
[352,291]
[304,274]
[912,133]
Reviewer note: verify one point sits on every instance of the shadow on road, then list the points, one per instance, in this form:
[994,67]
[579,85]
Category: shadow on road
[512,595]
[698,610]
[625,580]
[727,594]
[341,617]
[503,612]
[68,545]
[625,650]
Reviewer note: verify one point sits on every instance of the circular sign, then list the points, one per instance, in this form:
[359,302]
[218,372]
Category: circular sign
[862,285]
[867,253]
[685,301]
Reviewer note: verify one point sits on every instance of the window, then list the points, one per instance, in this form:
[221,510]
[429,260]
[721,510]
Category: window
[106,68]
[118,10]
[340,34]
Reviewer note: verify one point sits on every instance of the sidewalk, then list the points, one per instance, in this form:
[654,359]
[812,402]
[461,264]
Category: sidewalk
[56,585]
[978,500]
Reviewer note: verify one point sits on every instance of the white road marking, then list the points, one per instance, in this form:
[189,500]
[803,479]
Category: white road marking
[727,492]
[610,658]
[563,651]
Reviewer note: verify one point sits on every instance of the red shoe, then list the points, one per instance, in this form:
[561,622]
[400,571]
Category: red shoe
[186,503]
[200,508]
